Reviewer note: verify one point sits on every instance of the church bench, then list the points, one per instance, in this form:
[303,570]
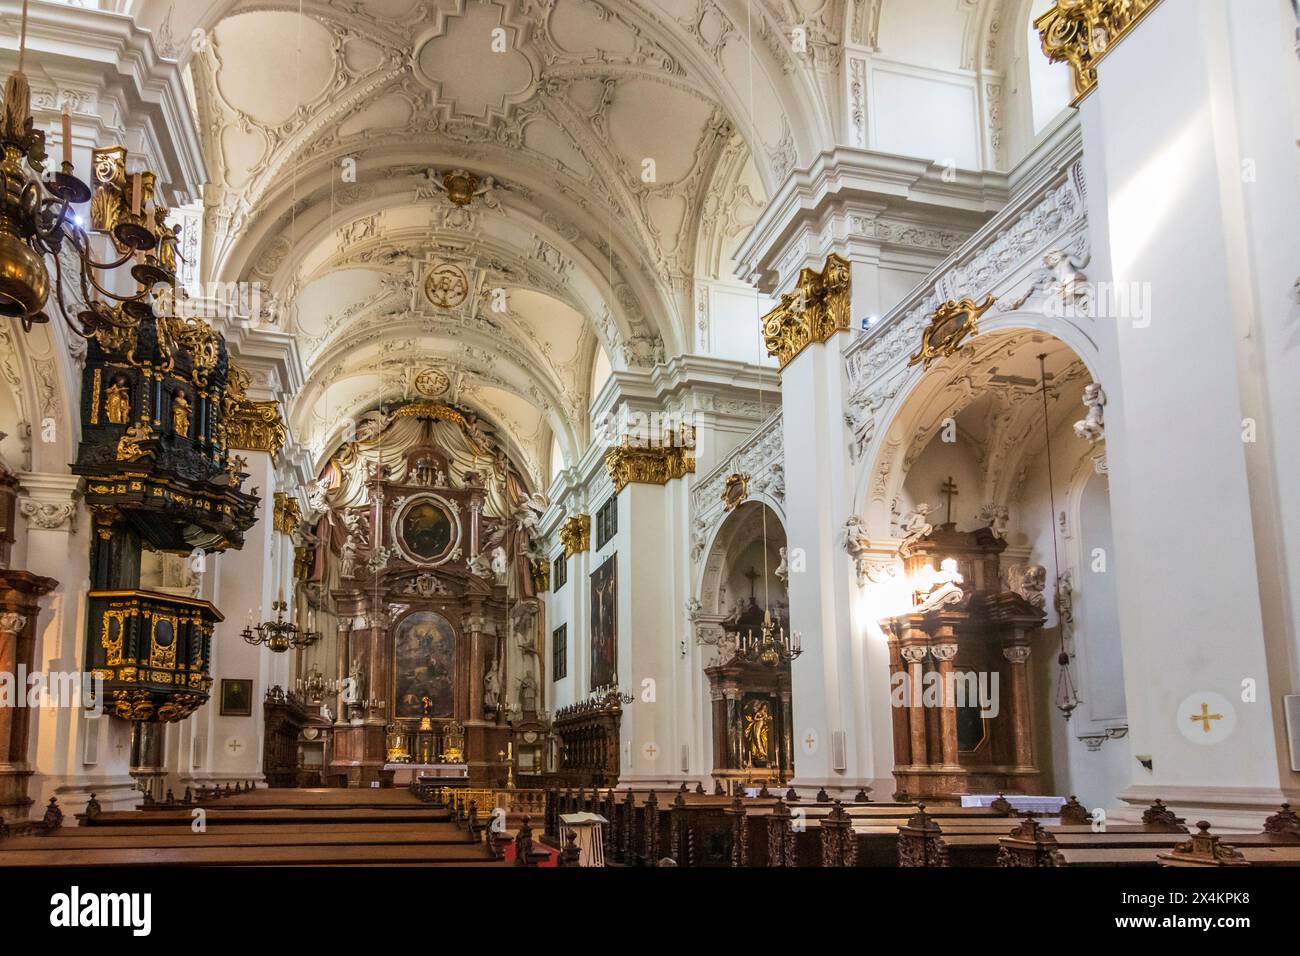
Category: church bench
[112,837]
[223,815]
[245,856]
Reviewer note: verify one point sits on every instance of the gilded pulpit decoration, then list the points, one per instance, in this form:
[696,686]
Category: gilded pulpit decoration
[653,463]
[950,326]
[287,516]
[1080,32]
[817,309]
[130,446]
[181,415]
[735,491]
[575,535]
[117,402]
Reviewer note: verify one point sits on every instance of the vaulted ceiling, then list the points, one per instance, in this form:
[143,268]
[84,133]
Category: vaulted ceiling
[601,133]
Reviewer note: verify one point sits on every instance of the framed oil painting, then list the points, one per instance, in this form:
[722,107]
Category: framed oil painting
[236,697]
[425,530]
[604,624]
[424,656]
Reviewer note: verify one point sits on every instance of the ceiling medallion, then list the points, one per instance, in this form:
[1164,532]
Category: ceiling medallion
[461,186]
[447,285]
[432,382]
[950,326]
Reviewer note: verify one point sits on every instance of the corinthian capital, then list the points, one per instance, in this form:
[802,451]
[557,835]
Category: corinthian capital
[12,623]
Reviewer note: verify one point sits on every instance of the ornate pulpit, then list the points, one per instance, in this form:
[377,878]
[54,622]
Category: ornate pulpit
[960,682]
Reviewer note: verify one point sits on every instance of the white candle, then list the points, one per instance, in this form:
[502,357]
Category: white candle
[67,136]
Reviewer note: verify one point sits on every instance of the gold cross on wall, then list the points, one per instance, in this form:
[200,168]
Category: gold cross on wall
[1205,717]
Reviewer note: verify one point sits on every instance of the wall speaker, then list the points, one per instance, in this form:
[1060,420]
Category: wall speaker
[686,758]
[196,752]
[839,744]
[1291,708]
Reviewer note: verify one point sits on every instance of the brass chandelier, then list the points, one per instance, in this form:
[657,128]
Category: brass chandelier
[37,220]
[279,635]
[772,647]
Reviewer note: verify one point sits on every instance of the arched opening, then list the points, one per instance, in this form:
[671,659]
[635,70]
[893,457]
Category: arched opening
[981,465]
[743,618]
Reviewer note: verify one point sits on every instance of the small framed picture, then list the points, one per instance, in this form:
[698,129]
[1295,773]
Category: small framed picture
[236,697]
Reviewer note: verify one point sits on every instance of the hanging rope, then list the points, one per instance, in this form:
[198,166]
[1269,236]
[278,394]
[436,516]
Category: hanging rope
[1066,696]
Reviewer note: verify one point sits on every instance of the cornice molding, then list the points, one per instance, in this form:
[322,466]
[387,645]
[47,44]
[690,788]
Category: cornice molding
[869,184]
[98,48]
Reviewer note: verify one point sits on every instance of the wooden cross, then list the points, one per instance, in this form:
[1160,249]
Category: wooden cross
[1205,717]
[753,576]
[949,488]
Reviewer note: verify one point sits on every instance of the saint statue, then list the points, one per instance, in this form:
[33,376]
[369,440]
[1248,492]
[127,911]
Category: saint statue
[758,732]
[491,690]
[117,402]
[181,414]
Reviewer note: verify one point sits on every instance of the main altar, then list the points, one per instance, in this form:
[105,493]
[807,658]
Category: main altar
[423,546]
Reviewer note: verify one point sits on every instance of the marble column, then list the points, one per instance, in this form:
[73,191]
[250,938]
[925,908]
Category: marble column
[944,654]
[20,593]
[1017,656]
[914,656]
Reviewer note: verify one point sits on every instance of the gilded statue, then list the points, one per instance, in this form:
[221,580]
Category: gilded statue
[758,732]
[166,239]
[181,414]
[117,402]
[129,446]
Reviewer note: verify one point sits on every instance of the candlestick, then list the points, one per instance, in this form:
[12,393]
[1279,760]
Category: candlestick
[67,135]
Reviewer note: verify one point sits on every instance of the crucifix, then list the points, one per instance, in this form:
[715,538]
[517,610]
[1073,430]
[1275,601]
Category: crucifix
[949,488]
[753,576]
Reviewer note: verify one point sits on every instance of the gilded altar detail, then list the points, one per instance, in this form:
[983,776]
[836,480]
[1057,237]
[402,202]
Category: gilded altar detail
[1080,32]
[652,463]
[817,309]
[575,535]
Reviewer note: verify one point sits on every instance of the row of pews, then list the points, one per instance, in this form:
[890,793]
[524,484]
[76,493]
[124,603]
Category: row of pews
[276,827]
[698,829]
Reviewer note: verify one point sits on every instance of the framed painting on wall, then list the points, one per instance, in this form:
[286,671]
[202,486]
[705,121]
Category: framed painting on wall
[236,697]
[604,624]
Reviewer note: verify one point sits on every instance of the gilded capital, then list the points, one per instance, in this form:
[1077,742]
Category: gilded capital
[816,310]
[1079,32]
[575,535]
[652,464]
[250,425]
[287,515]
